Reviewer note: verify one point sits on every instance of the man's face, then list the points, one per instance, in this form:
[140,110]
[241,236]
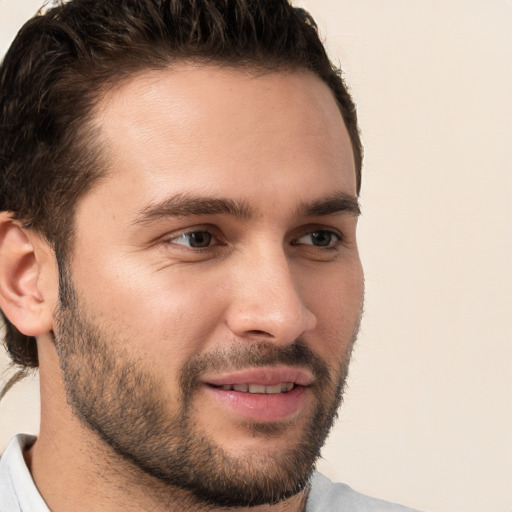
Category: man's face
[215,285]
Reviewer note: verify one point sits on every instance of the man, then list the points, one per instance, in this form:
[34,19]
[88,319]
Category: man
[178,256]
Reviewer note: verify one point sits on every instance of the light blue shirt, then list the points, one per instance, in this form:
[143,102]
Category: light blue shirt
[18,492]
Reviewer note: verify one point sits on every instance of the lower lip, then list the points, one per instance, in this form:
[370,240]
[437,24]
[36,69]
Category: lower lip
[261,407]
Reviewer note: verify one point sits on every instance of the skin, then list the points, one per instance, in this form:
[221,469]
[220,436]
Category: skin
[275,143]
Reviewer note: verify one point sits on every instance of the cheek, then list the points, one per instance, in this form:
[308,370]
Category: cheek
[336,300]
[337,288]
[167,316]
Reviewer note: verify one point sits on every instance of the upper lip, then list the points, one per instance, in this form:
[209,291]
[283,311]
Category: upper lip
[265,375]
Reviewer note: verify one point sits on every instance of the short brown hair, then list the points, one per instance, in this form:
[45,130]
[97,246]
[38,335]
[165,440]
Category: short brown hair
[65,57]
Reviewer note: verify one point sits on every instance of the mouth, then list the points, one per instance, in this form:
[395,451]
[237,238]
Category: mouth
[259,389]
[265,379]
[269,394]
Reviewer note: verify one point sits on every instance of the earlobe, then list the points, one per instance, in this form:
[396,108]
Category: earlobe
[21,297]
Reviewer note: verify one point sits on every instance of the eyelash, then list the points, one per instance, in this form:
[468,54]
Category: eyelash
[332,234]
[188,234]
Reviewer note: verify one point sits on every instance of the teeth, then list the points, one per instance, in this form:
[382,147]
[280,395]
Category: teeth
[272,390]
[256,388]
[260,389]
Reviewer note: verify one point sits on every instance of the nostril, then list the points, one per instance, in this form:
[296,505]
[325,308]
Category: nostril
[257,332]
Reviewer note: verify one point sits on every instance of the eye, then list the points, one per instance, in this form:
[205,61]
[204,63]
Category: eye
[319,238]
[195,239]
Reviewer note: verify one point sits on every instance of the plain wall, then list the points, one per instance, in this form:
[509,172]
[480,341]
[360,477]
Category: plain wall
[427,419]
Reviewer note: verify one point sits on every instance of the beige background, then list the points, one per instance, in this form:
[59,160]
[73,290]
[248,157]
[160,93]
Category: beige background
[427,419]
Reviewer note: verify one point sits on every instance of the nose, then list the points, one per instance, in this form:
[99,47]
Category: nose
[267,301]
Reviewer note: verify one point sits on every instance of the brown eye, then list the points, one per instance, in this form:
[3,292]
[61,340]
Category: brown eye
[195,239]
[319,238]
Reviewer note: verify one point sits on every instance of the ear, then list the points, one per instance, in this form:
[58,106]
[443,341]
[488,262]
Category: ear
[26,296]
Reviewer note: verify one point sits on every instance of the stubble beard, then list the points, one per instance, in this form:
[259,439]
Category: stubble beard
[113,395]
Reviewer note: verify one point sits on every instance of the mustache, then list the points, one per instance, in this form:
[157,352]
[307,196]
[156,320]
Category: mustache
[262,353]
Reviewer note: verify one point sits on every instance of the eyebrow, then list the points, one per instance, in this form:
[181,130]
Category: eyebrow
[185,205]
[335,203]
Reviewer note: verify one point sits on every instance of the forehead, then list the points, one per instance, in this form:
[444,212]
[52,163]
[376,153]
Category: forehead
[211,129]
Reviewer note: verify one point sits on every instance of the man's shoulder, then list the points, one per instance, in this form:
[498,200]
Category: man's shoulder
[18,492]
[326,496]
